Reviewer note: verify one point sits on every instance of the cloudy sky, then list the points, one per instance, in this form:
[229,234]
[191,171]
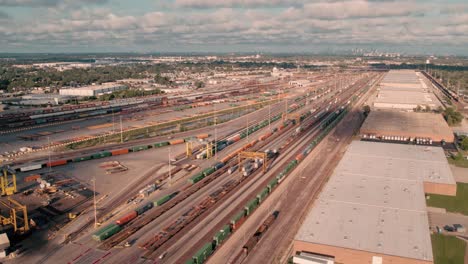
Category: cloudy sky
[412,26]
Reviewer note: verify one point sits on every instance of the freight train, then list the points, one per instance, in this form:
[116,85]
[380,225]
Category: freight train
[239,218]
[104,154]
[116,227]
[70,112]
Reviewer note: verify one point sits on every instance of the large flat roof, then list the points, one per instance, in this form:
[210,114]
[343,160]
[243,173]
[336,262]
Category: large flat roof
[407,124]
[404,89]
[97,87]
[375,200]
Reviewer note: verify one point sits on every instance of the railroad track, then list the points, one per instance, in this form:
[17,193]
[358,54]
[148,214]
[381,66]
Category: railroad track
[153,255]
[151,219]
[298,147]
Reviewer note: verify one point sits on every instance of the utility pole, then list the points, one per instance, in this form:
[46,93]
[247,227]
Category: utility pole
[48,143]
[113,121]
[121,130]
[170,172]
[269,116]
[247,128]
[215,132]
[94,198]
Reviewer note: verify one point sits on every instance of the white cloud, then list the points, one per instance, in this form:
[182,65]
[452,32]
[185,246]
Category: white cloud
[352,22]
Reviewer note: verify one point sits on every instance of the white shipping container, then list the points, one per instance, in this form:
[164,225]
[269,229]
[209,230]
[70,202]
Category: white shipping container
[31,167]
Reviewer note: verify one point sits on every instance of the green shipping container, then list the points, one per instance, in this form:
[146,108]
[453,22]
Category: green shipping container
[162,200]
[102,230]
[161,144]
[273,183]
[222,234]
[263,194]
[114,229]
[203,253]
[208,171]
[82,158]
[238,216]
[139,148]
[196,178]
[101,155]
[190,261]
[251,206]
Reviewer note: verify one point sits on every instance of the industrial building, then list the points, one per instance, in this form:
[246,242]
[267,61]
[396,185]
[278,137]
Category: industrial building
[404,90]
[406,126]
[93,90]
[373,208]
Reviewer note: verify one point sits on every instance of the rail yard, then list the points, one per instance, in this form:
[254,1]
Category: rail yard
[221,177]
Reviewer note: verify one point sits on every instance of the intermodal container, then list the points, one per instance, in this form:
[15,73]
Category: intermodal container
[261,196]
[102,230]
[250,206]
[139,148]
[101,155]
[161,144]
[162,200]
[127,218]
[202,255]
[235,138]
[119,152]
[190,261]
[56,163]
[110,231]
[221,235]
[208,171]
[176,141]
[144,208]
[31,178]
[31,167]
[218,165]
[272,183]
[300,157]
[238,219]
[202,136]
[82,158]
[196,178]
[225,159]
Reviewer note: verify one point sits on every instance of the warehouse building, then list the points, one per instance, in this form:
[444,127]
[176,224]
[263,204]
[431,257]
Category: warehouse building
[93,90]
[373,208]
[404,90]
[406,126]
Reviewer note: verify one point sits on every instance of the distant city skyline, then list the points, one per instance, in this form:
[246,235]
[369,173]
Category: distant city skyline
[273,26]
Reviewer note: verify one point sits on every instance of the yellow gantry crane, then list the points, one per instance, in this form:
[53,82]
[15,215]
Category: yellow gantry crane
[189,149]
[8,181]
[292,116]
[252,155]
[17,212]
[209,150]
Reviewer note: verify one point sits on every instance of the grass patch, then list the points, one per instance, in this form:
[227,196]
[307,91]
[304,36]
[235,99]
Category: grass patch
[447,249]
[456,204]
[458,161]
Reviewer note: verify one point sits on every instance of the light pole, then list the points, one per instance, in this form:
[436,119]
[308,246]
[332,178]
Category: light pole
[94,198]
[48,143]
[121,130]
[170,174]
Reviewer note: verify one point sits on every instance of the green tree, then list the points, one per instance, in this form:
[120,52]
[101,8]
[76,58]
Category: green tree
[452,117]
[464,143]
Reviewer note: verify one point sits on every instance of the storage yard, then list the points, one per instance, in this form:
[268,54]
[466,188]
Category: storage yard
[238,191]
[400,126]
[219,174]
